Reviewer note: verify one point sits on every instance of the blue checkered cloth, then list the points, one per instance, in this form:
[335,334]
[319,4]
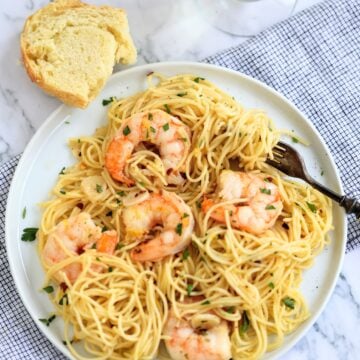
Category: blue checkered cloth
[312,58]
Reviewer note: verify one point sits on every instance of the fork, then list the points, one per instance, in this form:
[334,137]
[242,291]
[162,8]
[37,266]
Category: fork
[289,161]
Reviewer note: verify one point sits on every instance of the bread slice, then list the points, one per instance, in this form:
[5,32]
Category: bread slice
[69,48]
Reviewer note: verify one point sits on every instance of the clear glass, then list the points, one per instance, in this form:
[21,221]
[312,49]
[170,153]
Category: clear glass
[245,17]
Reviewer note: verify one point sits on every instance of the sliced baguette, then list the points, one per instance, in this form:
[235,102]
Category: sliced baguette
[69,48]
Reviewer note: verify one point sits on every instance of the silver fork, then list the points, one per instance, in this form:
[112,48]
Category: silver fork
[289,161]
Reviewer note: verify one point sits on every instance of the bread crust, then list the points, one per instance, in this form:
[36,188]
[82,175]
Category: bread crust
[57,8]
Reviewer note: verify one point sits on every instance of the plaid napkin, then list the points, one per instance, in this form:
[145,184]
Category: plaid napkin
[314,59]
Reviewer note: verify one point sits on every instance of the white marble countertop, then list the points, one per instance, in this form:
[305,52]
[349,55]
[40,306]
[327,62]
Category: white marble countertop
[24,107]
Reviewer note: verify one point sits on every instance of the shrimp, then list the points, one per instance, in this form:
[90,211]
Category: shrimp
[166,209]
[156,127]
[72,237]
[261,207]
[195,339]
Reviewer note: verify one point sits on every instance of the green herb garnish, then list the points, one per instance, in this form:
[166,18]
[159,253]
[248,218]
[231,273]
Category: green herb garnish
[29,234]
[48,289]
[322,172]
[265,191]
[270,207]
[185,215]
[181,94]
[108,101]
[294,139]
[166,127]
[197,80]
[126,130]
[189,289]
[178,229]
[93,246]
[150,116]
[206,302]
[64,300]
[152,130]
[119,246]
[62,172]
[271,285]
[121,193]
[110,269]
[167,109]
[230,309]
[23,214]
[104,228]
[49,320]
[311,206]
[244,324]
[62,192]
[186,254]
[99,188]
[289,302]
[67,122]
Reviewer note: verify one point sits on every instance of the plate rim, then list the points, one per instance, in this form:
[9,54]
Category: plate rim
[148,67]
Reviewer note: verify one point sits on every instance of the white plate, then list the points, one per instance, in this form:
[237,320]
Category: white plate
[48,152]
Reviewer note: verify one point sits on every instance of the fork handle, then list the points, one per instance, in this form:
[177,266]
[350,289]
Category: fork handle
[351,205]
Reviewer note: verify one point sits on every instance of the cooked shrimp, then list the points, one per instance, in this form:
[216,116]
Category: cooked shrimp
[189,341]
[72,237]
[156,127]
[166,209]
[261,207]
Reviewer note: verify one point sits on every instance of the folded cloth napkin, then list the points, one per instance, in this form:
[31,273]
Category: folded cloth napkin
[313,58]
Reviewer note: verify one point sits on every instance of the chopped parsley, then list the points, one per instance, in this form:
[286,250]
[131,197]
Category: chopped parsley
[312,207]
[67,122]
[289,302]
[244,324]
[110,269]
[181,94]
[206,302]
[126,130]
[167,109]
[108,101]
[152,130]
[294,139]
[48,289]
[64,300]
[99,188]
[121,193]
[198,204]
[150,116]
[66,343]
[104,228]
[230,309]
[62,172]
[197,79]
[322,172]
[270,207]
[166,127]
[119,246]
[271,285]
[62,192]
[178,229]
[265,191]
[185,215]
[23,214]
[48,321]
[93,246]
[186,254]
[29,234]
[189,289]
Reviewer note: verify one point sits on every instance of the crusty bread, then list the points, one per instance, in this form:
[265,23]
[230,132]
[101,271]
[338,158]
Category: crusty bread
[69,48]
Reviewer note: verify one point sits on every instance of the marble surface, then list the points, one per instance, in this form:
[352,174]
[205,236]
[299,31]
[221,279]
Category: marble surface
[156,27]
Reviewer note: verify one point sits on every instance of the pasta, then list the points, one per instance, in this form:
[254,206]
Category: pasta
[118,307]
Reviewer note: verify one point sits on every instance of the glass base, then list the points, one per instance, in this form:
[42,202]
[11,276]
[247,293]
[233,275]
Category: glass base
[245,17]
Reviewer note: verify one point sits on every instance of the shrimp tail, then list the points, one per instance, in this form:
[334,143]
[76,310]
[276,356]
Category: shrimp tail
[115,159]
[107,242]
